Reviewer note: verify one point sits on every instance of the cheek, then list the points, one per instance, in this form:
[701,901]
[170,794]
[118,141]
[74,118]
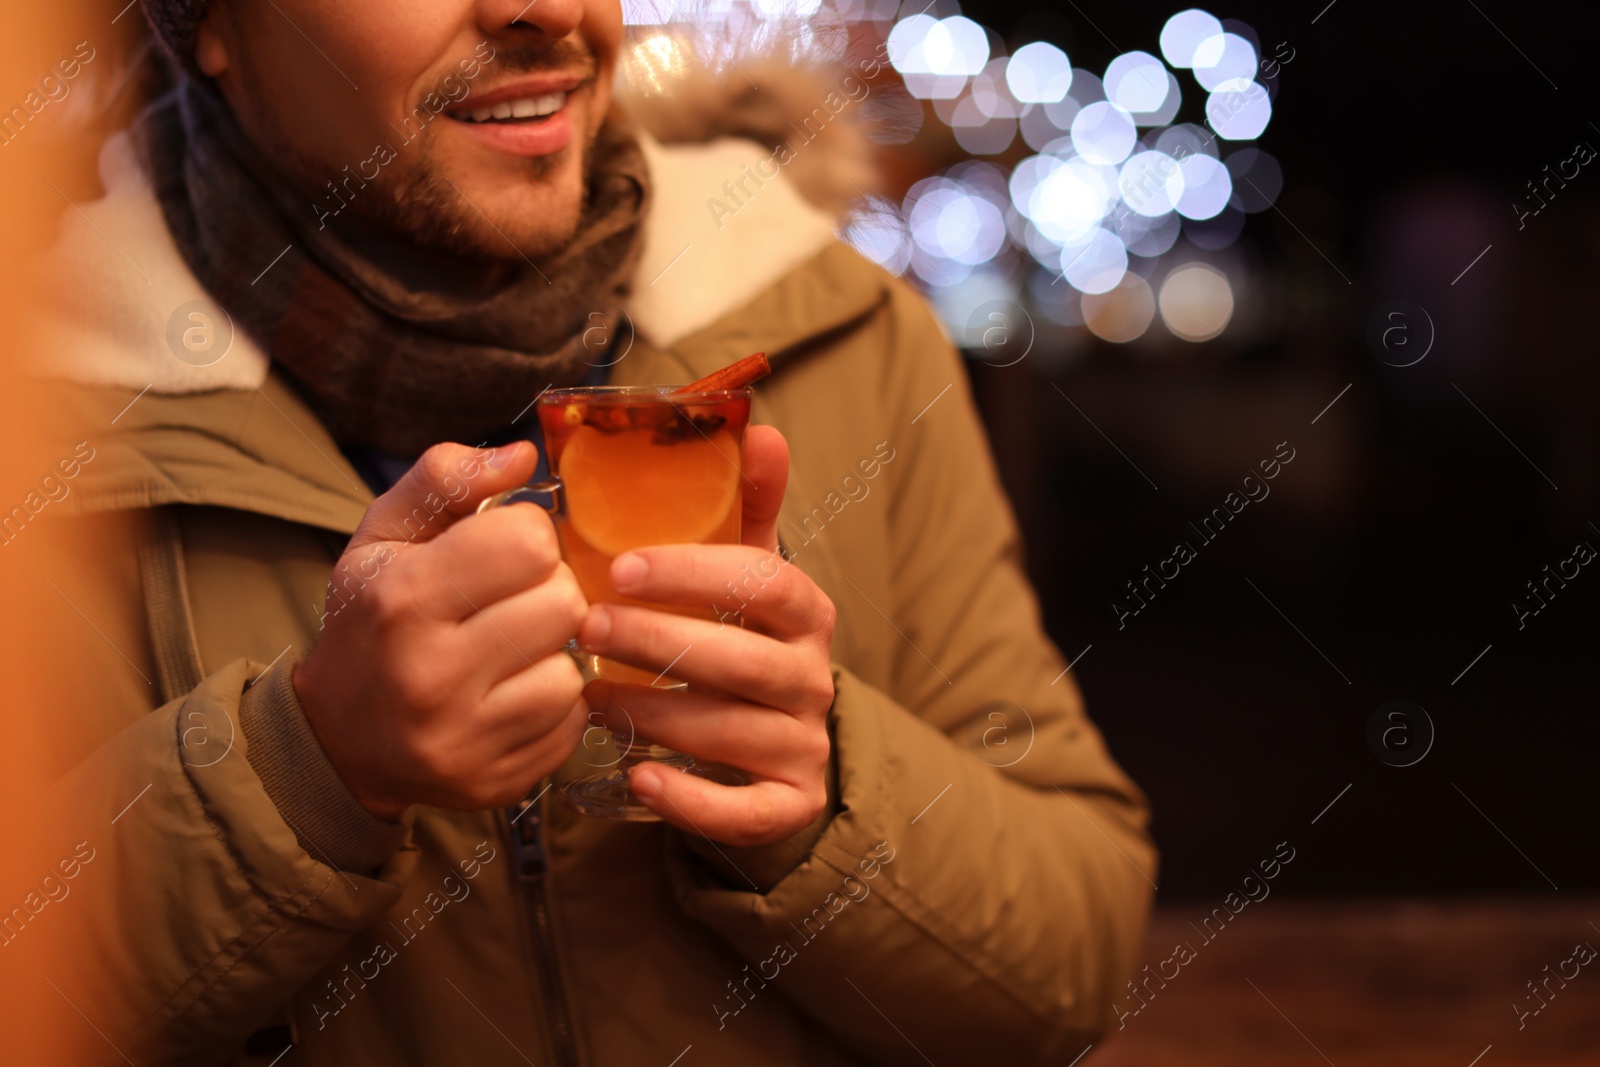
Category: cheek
[603,32]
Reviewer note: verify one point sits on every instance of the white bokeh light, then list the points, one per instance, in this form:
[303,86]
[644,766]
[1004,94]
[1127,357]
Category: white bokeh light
[1096,264]
[1185,138]
[1136,82]
[1039,73]
[1026,177]
[956,45]
[949,222]
[1151,183]
[785,9]
[906,41]
[1224,61]
[1182,34]
[1104,133]
[1070,200]
[1239,115]
[1207,186]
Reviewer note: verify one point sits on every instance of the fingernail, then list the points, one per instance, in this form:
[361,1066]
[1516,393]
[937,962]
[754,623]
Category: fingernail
[596,628]
[503,456]
[627,569]
[644,783]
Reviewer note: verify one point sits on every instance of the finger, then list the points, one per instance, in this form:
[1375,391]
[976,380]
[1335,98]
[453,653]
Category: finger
[770,594]
[766,472]
[760,740]
[527,626]
[708,655]
[530,703]
[755,814]
[446,483]
[507,778]
[486,558]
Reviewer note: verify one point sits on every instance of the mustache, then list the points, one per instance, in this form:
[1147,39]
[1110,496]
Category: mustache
[567,54]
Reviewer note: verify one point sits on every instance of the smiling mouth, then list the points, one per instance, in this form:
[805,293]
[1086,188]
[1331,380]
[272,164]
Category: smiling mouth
[526,110]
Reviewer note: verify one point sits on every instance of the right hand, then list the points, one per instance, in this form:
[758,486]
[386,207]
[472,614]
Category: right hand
[440,676]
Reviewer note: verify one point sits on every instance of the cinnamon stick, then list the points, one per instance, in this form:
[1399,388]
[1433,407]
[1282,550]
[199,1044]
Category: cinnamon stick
[737,375]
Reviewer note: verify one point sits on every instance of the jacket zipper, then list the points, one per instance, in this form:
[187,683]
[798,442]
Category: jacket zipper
[526,825]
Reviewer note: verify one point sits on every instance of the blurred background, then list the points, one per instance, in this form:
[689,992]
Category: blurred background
[1175,243]
[1355,248]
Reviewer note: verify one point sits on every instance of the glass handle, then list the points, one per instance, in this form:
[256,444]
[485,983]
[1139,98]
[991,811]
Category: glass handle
[546,494]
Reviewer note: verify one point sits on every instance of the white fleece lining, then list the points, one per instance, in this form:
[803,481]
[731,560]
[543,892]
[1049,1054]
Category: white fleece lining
[114,280]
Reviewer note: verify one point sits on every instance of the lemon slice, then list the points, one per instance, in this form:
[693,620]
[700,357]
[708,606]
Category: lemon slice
[625,492]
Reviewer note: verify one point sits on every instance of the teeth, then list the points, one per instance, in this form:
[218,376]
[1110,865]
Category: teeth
[527,107]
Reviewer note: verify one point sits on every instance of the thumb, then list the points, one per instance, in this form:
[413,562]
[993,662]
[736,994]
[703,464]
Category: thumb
[766,475]
[446,484]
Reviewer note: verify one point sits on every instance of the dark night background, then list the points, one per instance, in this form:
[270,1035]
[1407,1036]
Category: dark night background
[1407,523]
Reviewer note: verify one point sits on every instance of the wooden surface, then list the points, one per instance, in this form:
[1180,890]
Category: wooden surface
[1368,983]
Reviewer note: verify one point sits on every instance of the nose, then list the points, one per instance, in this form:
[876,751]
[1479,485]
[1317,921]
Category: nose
[550,19]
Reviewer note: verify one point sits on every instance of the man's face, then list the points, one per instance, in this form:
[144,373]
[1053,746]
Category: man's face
[466,125]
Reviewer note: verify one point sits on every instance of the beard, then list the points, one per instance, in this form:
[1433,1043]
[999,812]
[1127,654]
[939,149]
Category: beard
[412,201]
[421,207]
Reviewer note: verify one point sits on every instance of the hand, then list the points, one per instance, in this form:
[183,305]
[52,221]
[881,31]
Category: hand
[761,693]
[440,677]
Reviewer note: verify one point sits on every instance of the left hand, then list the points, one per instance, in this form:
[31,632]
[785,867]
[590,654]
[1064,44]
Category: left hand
[760,693]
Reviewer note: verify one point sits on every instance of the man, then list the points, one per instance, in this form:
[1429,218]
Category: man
[348,690]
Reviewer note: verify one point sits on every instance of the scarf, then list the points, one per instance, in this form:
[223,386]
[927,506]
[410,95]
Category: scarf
[392,351]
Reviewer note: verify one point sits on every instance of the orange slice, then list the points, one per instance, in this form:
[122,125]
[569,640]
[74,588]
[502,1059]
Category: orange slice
[625,492]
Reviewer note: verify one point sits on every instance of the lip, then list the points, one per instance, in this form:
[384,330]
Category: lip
[527,139]
[544,83]
[542,138]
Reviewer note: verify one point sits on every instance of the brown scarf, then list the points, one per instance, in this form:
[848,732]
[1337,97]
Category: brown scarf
[387,360]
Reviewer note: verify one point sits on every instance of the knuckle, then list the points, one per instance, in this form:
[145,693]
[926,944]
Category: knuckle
[566,683]
[816,802]
[529,546]
[393,602]
[438,462]
[762,821]
[818,750]
[435,762]
[828,618]
[421,687]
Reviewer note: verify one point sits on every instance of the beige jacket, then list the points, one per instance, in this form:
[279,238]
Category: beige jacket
[977,897]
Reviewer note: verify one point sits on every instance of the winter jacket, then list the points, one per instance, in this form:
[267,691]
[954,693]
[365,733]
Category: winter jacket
[976,895]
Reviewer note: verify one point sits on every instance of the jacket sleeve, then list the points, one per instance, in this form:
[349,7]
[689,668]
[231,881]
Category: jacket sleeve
[200,906]
[981,893]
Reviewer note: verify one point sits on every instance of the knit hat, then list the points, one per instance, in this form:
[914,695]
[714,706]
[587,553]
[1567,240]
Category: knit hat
[175,23]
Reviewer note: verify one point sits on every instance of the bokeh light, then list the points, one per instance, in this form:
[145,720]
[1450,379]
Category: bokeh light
[1183,33]
[1151,183]
[1136,82]
[1096,264]
[1121,314]
[1224,61]
[1071,199]
[948,221]
[1196,302]
[1039,73]
[1207,187]
[1239,114]
[1104,133]
[1088,191]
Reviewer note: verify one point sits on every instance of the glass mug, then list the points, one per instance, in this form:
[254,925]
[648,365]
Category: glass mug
[632,466]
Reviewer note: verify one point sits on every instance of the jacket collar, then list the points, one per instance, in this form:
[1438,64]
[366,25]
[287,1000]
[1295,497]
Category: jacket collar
[261,449]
